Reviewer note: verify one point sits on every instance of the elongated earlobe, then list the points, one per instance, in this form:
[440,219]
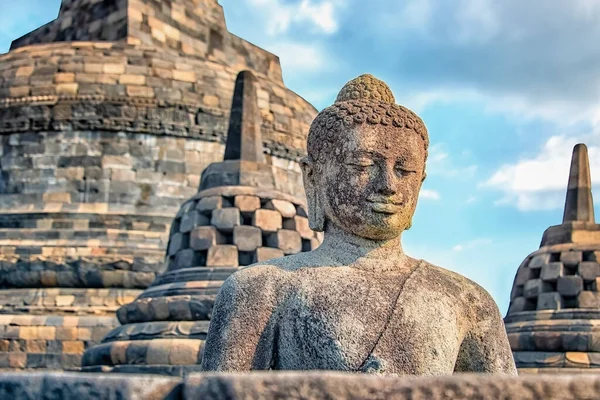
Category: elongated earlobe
[316,215]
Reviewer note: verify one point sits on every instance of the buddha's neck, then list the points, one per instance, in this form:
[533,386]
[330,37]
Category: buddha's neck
[346,248]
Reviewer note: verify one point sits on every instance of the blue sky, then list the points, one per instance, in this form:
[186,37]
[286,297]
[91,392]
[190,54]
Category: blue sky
[505,88]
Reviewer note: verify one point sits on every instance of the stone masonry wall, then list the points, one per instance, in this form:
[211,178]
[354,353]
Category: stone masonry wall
[102,142]
[120,87]
[190,27]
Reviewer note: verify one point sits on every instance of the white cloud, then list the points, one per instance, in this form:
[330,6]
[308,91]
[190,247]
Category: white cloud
[429,194]
[441,164]
[477,21]
[539,182]
[472,244]
[295,56]
[280,16]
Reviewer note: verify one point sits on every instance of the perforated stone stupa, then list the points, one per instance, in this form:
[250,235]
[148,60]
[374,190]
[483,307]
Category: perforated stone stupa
[108,116]
[241,215]
[553,322]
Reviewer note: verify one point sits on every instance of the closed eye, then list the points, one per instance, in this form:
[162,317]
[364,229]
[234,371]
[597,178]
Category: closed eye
[361,163]
[404,170]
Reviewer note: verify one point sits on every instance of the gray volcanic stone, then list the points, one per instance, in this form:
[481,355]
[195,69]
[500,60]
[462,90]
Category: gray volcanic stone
[552,271]
[225,219]
[287,240]
[549,301]
[222,256]
[247,238]
[191,220]
[331,385]
[267,253]
[570,285]
[208,204]
[589,270]
[77,386]
[203,237]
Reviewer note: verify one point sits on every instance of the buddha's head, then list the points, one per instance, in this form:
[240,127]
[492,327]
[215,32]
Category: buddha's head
[365,163]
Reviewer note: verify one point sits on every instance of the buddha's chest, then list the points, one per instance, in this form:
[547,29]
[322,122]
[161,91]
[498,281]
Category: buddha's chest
[350,323]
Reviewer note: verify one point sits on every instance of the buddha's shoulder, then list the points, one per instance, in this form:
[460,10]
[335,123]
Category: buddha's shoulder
[271,271]
[455,285]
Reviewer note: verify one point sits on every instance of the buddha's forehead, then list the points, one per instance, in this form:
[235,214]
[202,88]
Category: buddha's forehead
[384,141]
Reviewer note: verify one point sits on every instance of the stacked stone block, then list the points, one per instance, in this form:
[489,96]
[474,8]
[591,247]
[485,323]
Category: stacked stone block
[555,280]
[49,342]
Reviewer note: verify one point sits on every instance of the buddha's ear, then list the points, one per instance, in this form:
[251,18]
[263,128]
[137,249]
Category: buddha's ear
[424,176]
[316,213]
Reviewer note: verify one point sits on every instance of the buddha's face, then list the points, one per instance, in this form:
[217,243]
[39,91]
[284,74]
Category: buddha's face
[370,183]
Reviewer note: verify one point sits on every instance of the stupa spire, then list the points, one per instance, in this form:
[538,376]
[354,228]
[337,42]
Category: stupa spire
[579,205]
[244,139]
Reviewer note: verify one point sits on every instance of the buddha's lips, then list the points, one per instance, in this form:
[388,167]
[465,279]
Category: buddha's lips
[385,207]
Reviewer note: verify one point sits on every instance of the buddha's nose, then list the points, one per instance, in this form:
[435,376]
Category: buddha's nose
[387,181]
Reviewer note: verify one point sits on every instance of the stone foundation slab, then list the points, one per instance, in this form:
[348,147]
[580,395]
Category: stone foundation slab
[296,385]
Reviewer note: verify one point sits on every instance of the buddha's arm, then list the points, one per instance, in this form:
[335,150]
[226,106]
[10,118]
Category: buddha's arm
[485,347]
[241,332]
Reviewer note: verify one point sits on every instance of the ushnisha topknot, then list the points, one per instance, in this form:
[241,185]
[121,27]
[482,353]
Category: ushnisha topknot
[366,87]
[364,99]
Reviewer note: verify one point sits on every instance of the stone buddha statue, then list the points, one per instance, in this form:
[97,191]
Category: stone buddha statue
[358,303]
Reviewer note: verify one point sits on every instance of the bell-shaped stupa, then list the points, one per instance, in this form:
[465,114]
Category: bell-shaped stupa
[553,322]
[242,214]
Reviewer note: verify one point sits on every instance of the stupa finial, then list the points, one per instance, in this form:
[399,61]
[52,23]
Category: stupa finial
[579,205]
[244,139]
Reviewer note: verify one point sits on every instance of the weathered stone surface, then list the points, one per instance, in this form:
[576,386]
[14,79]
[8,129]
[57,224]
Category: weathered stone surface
[247,204]
[539,260]
[191,220]
[332,385]
[208,204]
[295,385]
[588,299]
[571,258]
[222,256]
[285,208]
[523,275]
[204,237]
[570,285]
[267,220]
[552,271]
[225,219]
[579,205]
[247,238]
[244,140]
[87,386]
[360,270]
[517,304]
[534,287]
[549,301]
[589,270]
[287,240]
[267,253]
